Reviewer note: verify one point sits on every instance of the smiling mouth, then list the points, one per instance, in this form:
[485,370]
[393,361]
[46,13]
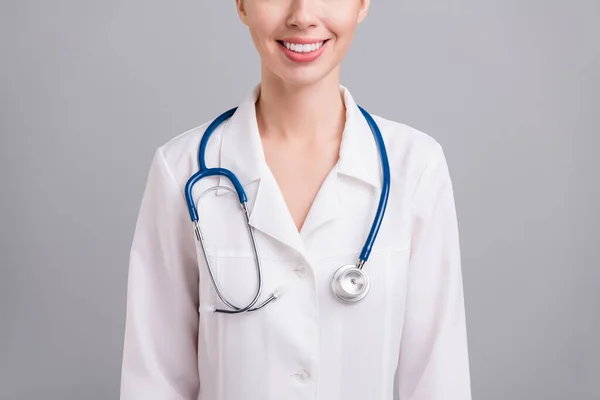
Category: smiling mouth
[302,48]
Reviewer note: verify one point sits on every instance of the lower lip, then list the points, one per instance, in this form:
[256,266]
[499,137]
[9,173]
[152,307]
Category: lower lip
[303,57]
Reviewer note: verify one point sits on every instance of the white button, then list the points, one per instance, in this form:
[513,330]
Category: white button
[303,375]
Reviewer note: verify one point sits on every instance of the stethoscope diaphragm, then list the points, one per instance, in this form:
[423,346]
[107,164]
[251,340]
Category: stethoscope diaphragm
[350,284]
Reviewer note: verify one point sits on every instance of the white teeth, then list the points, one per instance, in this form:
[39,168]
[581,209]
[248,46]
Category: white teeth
[303,48]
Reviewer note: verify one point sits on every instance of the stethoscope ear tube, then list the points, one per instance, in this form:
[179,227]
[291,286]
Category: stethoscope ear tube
[208,133]
[385,188]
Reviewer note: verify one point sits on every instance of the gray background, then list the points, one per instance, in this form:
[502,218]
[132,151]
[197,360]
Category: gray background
[511,88]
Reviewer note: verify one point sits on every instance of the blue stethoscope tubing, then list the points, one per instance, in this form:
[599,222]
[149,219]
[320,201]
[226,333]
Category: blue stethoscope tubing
[350,283]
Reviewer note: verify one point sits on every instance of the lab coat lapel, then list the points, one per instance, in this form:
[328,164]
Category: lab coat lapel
[326,207]
[271,216]
[243,154]
[359,155]
[358,159]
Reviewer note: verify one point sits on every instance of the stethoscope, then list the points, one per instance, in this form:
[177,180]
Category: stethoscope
[350,283]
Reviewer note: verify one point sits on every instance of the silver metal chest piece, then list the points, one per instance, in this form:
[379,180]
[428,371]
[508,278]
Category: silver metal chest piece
[350,284]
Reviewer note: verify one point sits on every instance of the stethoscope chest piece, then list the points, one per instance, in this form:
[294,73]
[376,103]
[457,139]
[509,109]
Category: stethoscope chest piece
[350,284]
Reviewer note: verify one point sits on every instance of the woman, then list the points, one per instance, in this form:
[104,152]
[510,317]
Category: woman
[310,165]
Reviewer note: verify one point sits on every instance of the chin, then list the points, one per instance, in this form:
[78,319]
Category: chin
[305,77]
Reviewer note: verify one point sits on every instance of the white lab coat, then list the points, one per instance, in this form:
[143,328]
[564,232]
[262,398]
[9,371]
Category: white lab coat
[306,344]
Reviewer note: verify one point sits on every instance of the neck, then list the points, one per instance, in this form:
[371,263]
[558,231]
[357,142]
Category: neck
[306,113]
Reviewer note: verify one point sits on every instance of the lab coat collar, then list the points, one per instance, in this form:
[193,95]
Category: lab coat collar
[242,153]
[359,155]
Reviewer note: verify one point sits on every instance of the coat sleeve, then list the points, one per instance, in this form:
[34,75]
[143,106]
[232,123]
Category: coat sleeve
[160,347]
[434,362]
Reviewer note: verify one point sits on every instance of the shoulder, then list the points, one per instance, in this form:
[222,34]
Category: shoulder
[182,144]
[180,152]
[410,150]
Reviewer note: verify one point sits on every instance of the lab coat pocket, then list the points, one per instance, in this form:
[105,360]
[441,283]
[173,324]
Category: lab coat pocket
[208,338]
[398,265]
[241,341]
[387,270]
[371,327]
[224,336]
[397,289]
[238,279]
[207,294]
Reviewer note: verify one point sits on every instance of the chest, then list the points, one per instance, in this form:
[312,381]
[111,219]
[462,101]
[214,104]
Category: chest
[300,171]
